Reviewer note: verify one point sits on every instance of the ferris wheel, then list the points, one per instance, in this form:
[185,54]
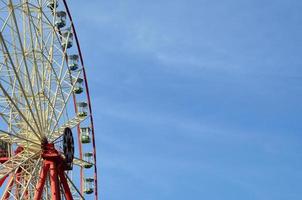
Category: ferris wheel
[47,143]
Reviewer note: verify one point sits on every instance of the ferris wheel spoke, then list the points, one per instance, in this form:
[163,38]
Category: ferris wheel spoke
[6,102]
[59,98]
[51,57]
[5,22]
[16,139]
[35,74]
[9,71]
[4,2]
[35,68]
[55,110]
[56,96]
[22,89]
[43,49]
[65,101]
[9,74]
[62,101]
[61,65]
[50,25]
[19,111]
[7,82]
[10,122]
[81,163]
[14,121]
[13,113]
[11,116]
[44,56]
[19,140]
[38,124]
[53,136]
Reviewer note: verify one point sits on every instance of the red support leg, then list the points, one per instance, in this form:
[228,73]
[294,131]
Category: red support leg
[54,182]
[41,183]
[55,164]
[67,193]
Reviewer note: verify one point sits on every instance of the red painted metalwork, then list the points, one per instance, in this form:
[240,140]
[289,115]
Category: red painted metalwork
[68,195]
[55,165]
[13,180]
[54,181]
[41,183]
[89,102]
[3,160]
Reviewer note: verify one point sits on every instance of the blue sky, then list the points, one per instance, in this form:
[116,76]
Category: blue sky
[195,99]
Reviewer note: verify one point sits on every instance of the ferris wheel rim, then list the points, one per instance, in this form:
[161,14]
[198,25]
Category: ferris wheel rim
[88,93]
[88,96]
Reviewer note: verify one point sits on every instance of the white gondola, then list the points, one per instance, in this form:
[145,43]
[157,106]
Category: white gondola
[60,19]
[88,185]
[88,157]
[85,135]
[67,39]
[78,88]
[73,62]
[82,109]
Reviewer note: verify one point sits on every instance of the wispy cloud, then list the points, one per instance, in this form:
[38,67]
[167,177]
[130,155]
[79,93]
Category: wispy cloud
[195,99]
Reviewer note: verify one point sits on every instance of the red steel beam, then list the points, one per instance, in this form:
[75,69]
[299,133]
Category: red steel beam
[41,183]
[54,181]
[65,185]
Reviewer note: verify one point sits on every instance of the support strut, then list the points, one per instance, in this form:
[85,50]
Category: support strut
[53,166]
[41,183]
[54,182]
[68,195]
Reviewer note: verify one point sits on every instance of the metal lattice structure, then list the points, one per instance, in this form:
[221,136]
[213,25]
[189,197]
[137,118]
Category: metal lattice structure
[44,97]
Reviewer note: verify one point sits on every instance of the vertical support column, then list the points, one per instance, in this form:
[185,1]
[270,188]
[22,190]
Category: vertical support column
[55,164]
[41,183]
[54,182]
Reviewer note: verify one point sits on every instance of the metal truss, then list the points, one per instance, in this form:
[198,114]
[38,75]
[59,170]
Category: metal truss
[37,101]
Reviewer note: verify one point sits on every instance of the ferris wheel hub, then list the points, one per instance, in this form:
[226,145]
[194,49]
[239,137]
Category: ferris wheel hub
[44,142]
[49,152]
